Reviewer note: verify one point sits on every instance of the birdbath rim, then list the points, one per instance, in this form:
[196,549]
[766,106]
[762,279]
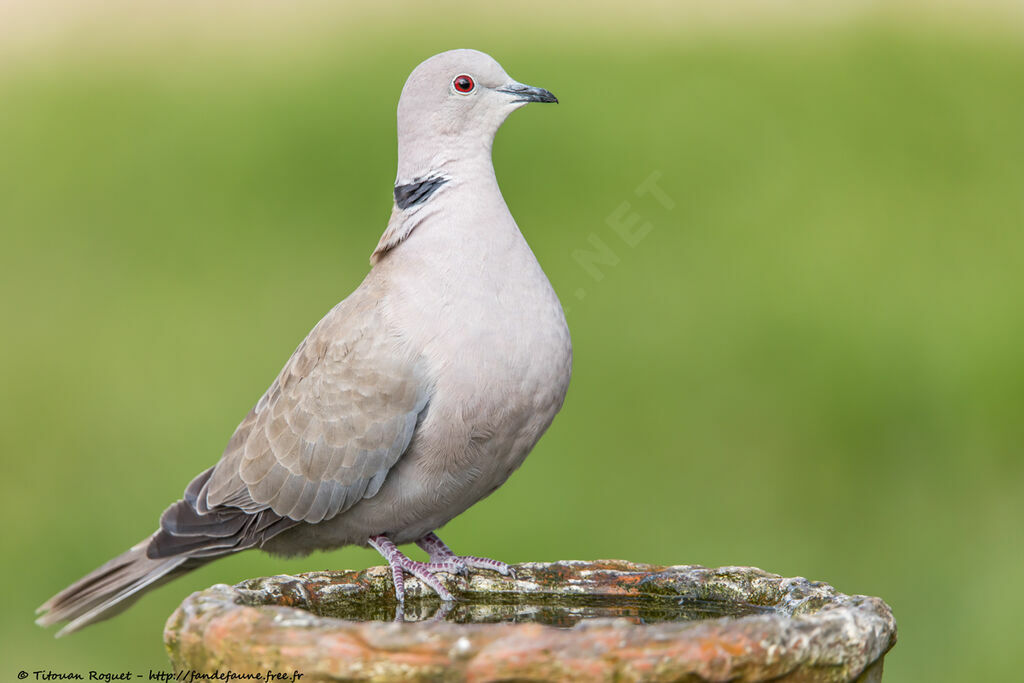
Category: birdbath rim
[786,627]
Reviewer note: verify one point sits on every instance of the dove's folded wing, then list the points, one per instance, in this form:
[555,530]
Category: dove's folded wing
[323,436]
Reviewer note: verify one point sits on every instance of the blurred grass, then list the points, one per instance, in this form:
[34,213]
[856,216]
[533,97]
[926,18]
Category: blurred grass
[812,363]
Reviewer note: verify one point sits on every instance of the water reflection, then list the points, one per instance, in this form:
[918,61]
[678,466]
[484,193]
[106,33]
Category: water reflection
[563,613]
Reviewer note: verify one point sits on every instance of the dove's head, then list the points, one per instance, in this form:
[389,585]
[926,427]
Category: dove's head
[451,106]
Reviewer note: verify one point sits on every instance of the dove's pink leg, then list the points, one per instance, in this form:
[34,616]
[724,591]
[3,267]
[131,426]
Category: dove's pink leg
[440,553]
[424,571]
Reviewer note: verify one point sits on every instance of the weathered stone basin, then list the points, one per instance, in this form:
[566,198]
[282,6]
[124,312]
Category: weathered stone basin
[604,620]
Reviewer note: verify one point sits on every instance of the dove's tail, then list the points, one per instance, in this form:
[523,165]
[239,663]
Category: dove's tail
[112,588]
[190,535]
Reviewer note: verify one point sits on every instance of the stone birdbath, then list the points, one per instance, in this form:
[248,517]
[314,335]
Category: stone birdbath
[608,620]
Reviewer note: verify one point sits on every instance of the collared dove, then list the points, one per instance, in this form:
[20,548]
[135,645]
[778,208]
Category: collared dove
[411,400]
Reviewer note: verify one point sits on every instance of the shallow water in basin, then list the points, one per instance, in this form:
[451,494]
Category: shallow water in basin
[564,613]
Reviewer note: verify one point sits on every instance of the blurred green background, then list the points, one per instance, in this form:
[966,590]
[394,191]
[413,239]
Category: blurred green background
[812,362]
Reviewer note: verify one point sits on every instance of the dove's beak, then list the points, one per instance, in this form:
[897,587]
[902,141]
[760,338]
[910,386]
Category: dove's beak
[528,93]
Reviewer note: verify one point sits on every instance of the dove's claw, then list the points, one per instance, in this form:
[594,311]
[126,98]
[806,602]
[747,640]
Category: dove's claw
[441,554]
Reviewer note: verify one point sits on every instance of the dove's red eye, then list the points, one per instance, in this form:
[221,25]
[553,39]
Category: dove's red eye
[463,84]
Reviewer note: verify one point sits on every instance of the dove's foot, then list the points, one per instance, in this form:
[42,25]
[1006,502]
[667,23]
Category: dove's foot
[424,571]
[440,553]
[442,560]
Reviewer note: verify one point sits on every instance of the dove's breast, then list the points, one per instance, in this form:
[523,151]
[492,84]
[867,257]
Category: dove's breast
[499,355]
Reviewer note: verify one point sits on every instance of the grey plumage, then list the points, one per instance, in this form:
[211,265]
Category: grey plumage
[412,399]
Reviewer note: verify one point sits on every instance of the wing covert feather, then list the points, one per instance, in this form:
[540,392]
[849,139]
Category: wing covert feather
[326,432]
